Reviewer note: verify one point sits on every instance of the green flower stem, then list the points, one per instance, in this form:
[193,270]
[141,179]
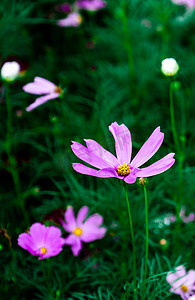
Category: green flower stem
[19,201]
[172,115]
[133,243]
[147,239]
[180,154]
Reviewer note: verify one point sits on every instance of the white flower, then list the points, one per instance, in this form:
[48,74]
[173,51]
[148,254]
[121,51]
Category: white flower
[10,71]
[169,67]
[192,298]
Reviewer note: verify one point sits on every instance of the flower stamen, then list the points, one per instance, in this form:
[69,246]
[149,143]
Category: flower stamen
[123,170]
[78,231]
[58,90]
[43,250]
[184,288]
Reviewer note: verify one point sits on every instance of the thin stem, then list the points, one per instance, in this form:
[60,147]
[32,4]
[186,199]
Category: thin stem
[172,115]
[147,239]
[180,155]
[133,244]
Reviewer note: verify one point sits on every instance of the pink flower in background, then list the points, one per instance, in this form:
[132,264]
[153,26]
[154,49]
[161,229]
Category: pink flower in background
[190,4]
[120,166]
[186,219]
[42,241]
[80,230]
[182,283]
[74,19]
[90,5]
[41,86]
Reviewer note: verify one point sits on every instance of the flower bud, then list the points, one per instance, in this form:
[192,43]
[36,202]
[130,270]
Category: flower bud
[169,67]
[10,71]
[142,181]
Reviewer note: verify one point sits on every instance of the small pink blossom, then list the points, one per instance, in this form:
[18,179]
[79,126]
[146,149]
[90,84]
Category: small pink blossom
[42,241]
[186,219]
[80,230]
[42,86]
[90,5]
[190,4]
[121,166]
[74,19]
[182,283]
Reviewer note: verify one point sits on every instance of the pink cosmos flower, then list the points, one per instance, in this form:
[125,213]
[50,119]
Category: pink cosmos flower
[182,283]
[190,4]
[42,241]
[74,19]
[41,86]
[90,5]
[80,230]
[121,166]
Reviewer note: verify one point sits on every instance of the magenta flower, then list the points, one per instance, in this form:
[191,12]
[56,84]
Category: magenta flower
[182,283]
[121,166]
[190,4]
[90,5]
[42,241]
[74,19]
[80,230]
[42,86]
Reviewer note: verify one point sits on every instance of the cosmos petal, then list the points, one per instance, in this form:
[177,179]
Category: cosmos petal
[123,142]
[41,100]
[158,167]
[149,148]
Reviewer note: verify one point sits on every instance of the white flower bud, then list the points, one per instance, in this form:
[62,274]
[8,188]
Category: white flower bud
[10,71]
[169,67]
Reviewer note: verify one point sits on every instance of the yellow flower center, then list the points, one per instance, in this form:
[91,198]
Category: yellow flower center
[78,231]
[58,90]
[184,288]
[123,170]
[43,250]
[80,19]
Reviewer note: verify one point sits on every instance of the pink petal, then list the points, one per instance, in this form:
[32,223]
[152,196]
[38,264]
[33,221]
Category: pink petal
[37,231]
[130,178]
[94,220]
[42,100]
[25,241]
[173,277]
[91,234]
[81,215]
[75,243]
[149,148]
[89,171]
[39,86]
[101,152]
[88,156]
[158,167]
[74,19]
[91,229]
[123,143]
[70,219]
[46,83]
